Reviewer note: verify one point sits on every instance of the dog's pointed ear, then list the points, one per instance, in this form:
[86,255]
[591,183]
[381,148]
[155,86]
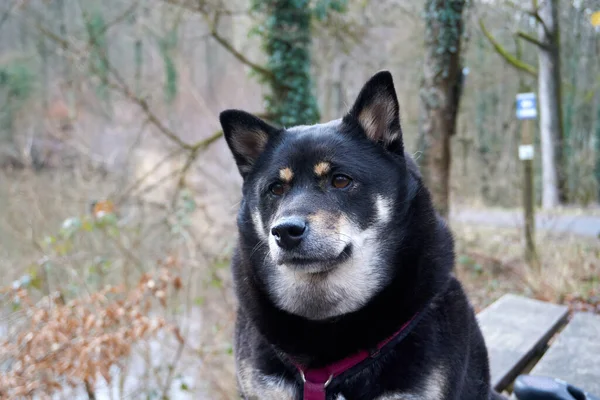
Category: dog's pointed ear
[246,136]
[377,112]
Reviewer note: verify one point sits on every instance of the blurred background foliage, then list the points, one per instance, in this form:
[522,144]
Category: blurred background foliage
[118,196]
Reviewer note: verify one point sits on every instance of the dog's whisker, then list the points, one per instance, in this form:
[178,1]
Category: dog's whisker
[261,243]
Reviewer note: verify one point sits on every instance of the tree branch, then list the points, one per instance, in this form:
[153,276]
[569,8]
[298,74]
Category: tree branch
[141,180]
[509,58]
[527,37]
[239,56]
[213,26]
[126,14]
[199,8]
[204,143]
[195,151]
[117,83]
[534,13]
[172,366]
[121,87]
[214,33]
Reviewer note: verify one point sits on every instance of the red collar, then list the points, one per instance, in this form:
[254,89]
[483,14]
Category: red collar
[317,380]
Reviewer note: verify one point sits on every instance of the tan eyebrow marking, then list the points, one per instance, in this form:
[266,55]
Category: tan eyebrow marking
[286,174]
[322,168]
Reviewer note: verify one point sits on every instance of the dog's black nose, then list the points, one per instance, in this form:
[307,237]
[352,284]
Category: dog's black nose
[289,232]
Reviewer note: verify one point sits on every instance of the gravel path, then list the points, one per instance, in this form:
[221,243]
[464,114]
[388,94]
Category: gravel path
[584,225]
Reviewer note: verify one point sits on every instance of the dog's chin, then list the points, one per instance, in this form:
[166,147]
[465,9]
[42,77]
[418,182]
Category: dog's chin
[315,265]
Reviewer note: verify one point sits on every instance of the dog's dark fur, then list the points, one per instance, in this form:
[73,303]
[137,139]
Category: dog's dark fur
[373,253]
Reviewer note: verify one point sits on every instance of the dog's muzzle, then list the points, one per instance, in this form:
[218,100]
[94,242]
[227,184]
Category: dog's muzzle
[297,244]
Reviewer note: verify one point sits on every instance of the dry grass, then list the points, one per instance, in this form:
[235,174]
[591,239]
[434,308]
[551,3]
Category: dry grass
[490,263]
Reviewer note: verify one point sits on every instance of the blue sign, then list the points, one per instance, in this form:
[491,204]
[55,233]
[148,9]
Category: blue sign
[526,106]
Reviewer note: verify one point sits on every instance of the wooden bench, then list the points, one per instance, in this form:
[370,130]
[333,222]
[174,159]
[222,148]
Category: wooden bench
[518,333]
[575,355]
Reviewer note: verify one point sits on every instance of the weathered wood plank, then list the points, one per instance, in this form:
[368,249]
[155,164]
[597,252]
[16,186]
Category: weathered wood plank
[575,355]
[515,330]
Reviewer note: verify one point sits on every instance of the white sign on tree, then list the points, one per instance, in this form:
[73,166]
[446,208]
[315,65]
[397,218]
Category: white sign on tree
[526,152]
[526,109]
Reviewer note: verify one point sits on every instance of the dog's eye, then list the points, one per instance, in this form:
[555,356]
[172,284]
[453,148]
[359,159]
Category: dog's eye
[277,189]
[341,181]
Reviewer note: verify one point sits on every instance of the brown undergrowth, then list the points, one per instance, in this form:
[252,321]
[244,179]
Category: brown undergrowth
[56,344]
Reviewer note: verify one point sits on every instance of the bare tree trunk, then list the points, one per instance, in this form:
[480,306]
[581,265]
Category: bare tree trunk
[439,95]
[138,53]
[67,74]
[549,87]
[211,59]
[215,59]
[338,90]
[45,74]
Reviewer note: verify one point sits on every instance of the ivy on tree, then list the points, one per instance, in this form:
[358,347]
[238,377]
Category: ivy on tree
[440,92]
[16,87]
[285,31]
[167,45]
[96,29]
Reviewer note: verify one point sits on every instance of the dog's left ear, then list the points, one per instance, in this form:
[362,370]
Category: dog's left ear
[246,136]
[377,112]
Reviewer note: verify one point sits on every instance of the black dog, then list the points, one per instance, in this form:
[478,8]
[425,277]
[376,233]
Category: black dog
[343,270]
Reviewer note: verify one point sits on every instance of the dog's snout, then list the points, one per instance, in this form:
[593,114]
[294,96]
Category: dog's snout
[289,232]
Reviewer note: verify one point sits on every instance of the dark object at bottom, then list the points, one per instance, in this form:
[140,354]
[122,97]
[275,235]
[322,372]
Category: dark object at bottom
[528,387]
